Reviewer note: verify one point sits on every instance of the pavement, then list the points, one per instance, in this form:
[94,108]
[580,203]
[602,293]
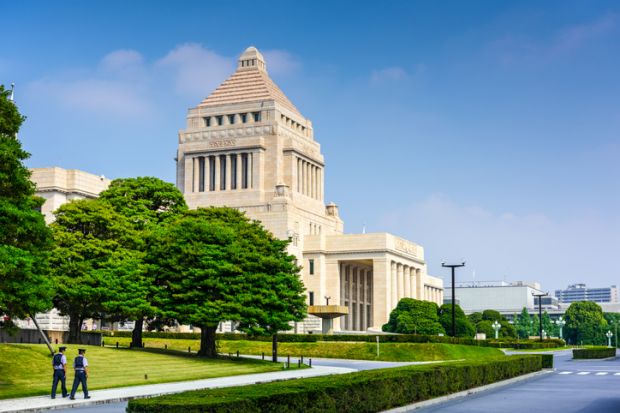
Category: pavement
[115,400]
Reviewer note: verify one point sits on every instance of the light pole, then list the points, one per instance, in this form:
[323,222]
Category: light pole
[496,326]
[540,296]
[560,322]
[609,335]
[452,267]
[544,333]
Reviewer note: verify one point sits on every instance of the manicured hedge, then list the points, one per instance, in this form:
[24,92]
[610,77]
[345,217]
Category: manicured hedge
[594,353]
[366,391]
[547,361]
[527,344]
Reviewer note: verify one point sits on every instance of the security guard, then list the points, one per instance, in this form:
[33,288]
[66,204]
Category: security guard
[80,364]
[59,363]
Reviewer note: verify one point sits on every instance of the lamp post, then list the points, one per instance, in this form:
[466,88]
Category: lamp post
[496,326]
[609,335]
[540,296]
[544,333]
[560,322]
[452,267]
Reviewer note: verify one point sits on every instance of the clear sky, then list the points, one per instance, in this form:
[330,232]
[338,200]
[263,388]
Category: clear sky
[483,130]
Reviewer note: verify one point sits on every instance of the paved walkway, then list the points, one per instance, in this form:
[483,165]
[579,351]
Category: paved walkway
[39,403]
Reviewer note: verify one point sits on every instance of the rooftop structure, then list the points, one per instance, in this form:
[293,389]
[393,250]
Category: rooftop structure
[579,292]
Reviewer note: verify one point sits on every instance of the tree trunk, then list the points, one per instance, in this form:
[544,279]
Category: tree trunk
[207,342]
[47,342]
[74,329]
[136,334]
[274,348]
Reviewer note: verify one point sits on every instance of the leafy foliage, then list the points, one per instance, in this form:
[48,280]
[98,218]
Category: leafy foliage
[464,327]
[25,240]
[585,323]
[413,316]
[523,324]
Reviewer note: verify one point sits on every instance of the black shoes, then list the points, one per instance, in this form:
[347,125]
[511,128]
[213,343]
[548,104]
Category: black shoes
[72,398]
[87,397]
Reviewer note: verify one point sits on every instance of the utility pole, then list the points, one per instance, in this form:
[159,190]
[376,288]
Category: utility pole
[452,267]
[540,313]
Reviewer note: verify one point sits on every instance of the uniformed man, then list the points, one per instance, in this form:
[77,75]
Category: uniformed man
[59,363]
[80,365]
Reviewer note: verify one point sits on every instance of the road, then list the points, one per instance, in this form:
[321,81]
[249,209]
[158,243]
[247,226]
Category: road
[575,387]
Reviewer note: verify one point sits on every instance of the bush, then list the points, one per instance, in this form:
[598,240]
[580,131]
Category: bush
[527,344]
[366,391]
[547,361]
[594,353]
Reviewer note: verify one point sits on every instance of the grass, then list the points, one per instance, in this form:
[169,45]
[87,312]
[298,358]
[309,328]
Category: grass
[25,369]
[332,349]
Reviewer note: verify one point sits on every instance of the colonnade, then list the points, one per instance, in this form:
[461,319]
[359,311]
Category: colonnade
[404,282]
[309,179]
[231,171]
[433,294]
[356,291]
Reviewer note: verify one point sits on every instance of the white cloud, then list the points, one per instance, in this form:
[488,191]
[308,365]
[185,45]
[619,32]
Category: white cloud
[280,62]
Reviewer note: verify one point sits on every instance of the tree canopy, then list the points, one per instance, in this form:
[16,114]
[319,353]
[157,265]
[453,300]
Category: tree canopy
[585,323]
[464,327]
[25,240]
[413,316]
[215,264]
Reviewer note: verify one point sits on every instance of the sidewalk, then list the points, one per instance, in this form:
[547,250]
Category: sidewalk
[40,403]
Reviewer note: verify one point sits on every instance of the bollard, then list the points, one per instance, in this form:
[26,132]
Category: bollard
[146,376]
[288,361]
[117,344]
[143,346]
[263,355]
[189,349]
[237,353]
[165,346]
[302,359]
[310,363]
[299,363]
[102,343]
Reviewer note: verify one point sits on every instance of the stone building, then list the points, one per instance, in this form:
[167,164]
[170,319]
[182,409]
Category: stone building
[247,146]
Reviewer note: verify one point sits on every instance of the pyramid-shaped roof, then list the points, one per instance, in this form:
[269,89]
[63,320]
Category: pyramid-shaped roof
[249,83]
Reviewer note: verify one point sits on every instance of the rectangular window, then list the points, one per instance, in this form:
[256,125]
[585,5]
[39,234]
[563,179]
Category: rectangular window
[311,266]
[211,173]
[244,117]
[256,116]
[231,119]
[311,298]
[220,120]
[207,121]
[222,172]
[201,174]
[233,171]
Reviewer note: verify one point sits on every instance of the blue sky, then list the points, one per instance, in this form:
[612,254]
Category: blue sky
[483,130]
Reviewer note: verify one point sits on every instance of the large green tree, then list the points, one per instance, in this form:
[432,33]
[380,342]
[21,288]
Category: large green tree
[585,323]
[147,203]
[25,240]
[464,327]
[413,316]
[215,265]
[94,251]
[523,324]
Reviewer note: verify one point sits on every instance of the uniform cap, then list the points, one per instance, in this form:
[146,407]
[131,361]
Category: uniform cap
[81,350]
[62,348]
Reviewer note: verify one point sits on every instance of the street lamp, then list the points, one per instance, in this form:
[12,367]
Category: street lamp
[453,266]
[544,333]
[560,322]
[496,326]
[609,336]
[540,296]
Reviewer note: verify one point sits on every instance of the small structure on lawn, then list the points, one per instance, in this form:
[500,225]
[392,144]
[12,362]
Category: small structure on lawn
[327,313]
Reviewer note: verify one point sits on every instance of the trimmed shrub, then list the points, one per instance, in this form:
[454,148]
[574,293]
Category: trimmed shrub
[365,391]
[594,353]
[547,361]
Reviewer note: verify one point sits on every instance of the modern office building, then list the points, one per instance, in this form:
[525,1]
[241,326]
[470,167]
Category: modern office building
[247,146]
[579,292]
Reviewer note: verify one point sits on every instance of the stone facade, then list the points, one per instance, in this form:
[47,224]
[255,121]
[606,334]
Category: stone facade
[247,146]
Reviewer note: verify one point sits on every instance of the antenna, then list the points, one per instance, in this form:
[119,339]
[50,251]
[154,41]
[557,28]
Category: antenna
[12,95]
[364,228]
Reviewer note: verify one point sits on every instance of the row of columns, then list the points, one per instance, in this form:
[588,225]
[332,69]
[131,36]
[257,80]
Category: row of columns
[356,291]
[433,294]
[309,179]
[222,172]
[404,281]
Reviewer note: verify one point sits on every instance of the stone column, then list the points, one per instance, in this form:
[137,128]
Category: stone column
[381,291]
[196,177]
[350,272]
[239,170]
[412,292]
[419,284]
[217,172]
[228,172]
[407,272]
[401,281]
[187,179]
[360,275]
[363,299]
[393,276]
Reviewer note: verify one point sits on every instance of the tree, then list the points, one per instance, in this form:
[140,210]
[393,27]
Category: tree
[585,323]
[215,265]
[475,318]
[25,240]
[492,315]
[547,325]
[464,327]
[523,324]
[94,251]
[613,320]
[146,202]
[413,316]
[535,325]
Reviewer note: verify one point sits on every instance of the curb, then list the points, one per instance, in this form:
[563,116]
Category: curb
[465,393]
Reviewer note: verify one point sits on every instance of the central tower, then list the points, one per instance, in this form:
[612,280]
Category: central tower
[247,146]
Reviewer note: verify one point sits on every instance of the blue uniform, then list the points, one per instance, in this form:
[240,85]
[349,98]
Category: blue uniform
[58,363]
[79,364]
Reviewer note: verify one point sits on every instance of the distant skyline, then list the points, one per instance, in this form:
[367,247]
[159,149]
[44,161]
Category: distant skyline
[485,131]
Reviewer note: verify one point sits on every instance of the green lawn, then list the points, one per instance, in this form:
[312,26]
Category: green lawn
[334,349]
[25,369]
